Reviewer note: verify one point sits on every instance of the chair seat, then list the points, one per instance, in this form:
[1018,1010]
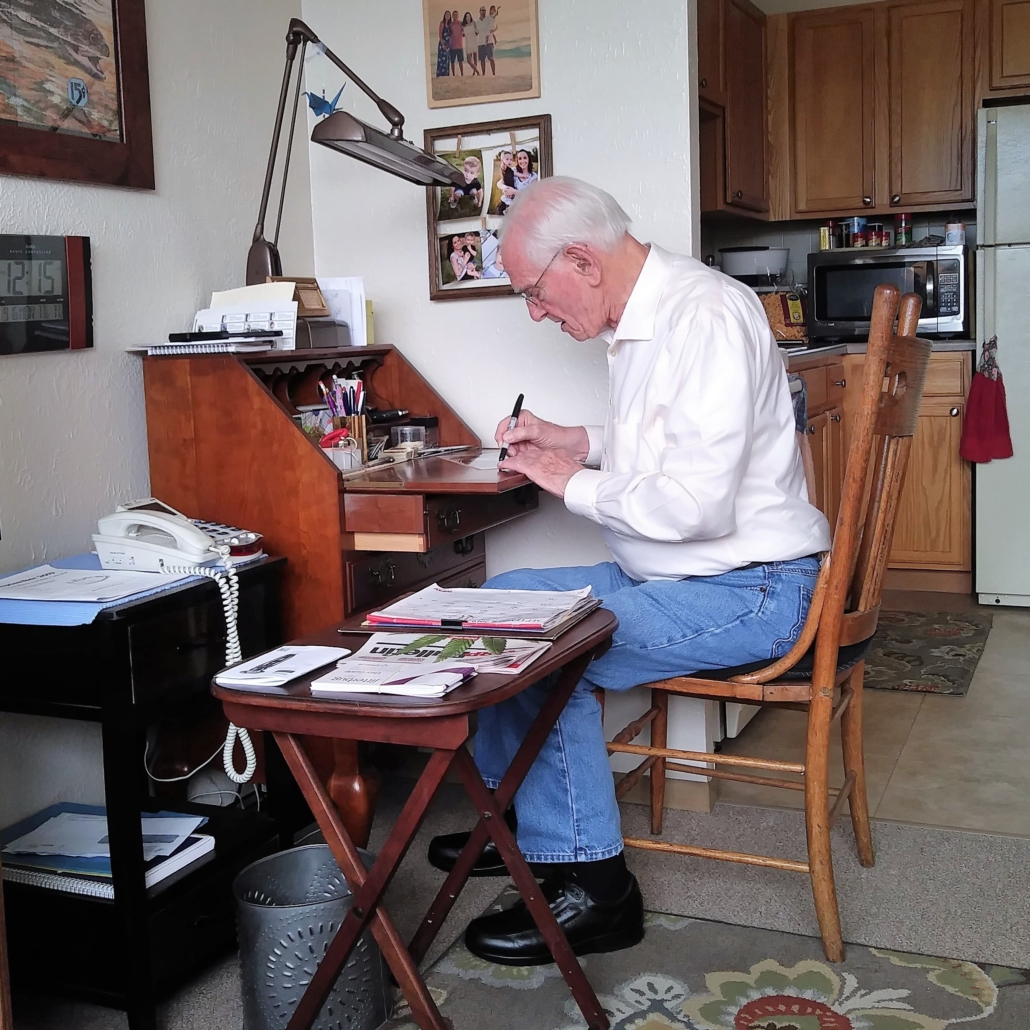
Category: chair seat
[848,657]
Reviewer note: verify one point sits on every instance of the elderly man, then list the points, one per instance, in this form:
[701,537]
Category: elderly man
[698,485]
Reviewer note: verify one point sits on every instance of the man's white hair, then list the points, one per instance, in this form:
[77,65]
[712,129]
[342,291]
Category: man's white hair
[553,213]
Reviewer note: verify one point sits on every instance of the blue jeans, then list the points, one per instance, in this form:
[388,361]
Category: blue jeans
[566,805]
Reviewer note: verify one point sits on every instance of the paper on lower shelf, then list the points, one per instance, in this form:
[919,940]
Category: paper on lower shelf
[78,835]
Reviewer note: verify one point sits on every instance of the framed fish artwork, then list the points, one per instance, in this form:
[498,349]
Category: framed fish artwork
[75,91]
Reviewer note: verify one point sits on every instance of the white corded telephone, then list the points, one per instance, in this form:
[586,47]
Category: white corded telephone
[150,536]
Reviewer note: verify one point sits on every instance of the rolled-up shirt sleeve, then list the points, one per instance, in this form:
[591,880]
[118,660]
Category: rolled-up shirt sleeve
[696,449]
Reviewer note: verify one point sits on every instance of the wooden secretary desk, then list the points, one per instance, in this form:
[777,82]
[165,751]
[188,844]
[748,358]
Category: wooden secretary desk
[224,447]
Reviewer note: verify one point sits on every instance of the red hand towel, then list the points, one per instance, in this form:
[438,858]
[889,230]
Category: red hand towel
[985,434]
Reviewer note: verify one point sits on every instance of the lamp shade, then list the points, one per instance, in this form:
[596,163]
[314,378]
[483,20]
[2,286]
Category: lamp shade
[343,132]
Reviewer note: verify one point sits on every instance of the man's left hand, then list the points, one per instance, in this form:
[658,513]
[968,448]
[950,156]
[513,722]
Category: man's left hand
[550,469]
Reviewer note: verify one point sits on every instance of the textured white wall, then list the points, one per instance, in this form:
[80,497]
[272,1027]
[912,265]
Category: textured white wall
[72,426]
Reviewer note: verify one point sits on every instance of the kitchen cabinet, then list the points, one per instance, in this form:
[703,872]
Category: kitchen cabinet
[711,51]
[880,108]
[824,390]
[747,185]
[931,109]
[1005,30]
[732,124]
[933,532]
[832,90]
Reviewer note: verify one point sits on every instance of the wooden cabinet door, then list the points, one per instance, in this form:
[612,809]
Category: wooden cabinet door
[930,47]
[1009,34]
[832,88]
[747,184]
[933,527]
[818,434]
[711,51]
[834,459]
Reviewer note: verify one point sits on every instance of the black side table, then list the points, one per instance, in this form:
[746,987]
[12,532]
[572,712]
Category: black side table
[134,665]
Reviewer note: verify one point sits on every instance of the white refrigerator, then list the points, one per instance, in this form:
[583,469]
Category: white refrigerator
[1002,569]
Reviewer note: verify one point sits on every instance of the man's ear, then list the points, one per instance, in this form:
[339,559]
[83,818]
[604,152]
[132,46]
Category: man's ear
[585,261]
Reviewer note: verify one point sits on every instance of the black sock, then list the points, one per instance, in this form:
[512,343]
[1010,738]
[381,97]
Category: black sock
[605,880]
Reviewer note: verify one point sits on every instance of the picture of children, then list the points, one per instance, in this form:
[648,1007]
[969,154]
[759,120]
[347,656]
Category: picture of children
[464,201]
[460,260]
[504,183]
[493,267]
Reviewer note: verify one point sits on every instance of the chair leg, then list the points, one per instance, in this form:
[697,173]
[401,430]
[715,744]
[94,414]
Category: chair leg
[659,738]
[854,761]
[817,825]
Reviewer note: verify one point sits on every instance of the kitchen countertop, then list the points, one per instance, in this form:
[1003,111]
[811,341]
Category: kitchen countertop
[796,356]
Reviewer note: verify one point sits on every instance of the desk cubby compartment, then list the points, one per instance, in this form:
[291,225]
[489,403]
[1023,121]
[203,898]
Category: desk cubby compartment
[293,379]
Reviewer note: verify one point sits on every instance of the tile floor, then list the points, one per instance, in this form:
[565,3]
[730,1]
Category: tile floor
[959,762]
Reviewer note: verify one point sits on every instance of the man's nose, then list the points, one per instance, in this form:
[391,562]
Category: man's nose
[536,312]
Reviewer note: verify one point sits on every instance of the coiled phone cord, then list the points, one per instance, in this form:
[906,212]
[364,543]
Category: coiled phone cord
[229,587]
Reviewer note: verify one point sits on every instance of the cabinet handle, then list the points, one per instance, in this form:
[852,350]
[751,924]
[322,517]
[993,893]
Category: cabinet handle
[953,413]
[704,84]
[835,418]
[811,430]
[739,194]
[840,382]
[465,546]
[867,201]
[449,520]
[896,199]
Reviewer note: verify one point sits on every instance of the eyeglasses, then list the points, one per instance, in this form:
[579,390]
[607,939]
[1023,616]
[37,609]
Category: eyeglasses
[529,294]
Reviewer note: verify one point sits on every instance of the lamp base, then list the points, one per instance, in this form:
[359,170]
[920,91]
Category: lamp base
[262,261]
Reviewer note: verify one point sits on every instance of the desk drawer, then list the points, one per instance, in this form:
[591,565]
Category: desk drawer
[419,522]
[376,578]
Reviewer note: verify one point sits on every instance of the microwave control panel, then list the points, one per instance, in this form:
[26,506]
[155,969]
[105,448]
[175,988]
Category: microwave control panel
[949,288]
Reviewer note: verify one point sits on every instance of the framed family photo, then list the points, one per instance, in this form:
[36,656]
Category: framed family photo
[496,159]
[482,53]
[75,92]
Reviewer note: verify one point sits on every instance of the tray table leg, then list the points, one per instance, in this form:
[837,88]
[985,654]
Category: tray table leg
[367,887]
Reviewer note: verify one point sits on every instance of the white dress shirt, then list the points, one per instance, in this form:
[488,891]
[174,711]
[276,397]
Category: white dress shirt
[699,469]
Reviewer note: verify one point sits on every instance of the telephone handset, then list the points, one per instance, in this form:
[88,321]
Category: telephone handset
[150,536]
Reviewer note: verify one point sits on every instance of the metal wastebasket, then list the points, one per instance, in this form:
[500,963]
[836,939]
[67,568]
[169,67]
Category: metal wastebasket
[288,908]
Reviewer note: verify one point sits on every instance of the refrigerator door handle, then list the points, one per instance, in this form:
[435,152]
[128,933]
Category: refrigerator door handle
[987,176]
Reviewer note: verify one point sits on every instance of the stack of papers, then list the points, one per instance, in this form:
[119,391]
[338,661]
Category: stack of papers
[276,668]
[410,665]
[463,608]
[47,583]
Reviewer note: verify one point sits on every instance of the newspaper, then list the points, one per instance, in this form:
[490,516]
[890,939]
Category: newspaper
[427,665]
[482,609]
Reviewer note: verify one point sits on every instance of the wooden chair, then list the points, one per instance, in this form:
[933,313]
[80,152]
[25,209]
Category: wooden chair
[822,673]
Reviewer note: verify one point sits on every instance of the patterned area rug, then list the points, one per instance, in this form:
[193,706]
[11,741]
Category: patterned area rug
[926,652]
[689,974]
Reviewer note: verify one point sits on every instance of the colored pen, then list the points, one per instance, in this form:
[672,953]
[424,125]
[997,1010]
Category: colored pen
[512,423]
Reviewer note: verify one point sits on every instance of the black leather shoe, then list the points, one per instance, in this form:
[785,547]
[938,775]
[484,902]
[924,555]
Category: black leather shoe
[445,849]
[511,938]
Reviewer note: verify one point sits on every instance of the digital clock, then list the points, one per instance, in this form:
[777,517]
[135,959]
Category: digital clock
[46,300]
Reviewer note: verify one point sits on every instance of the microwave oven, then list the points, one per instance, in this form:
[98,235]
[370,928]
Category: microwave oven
[841,285]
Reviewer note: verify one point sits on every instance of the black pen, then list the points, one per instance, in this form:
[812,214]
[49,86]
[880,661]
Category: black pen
[512,423]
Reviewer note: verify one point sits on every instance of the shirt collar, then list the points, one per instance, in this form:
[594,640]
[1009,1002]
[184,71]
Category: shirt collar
[638,317]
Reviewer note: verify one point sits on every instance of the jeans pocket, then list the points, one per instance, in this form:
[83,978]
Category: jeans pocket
[791,610]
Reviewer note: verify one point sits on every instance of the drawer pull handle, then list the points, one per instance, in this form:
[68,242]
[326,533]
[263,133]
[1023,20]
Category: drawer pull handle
[835,418]
[840,382]
[383,576]
[465,546]
[704,84]
[953,413]
[449,520]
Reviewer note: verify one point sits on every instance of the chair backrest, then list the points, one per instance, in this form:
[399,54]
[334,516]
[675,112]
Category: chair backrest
[881,442]
[846,603]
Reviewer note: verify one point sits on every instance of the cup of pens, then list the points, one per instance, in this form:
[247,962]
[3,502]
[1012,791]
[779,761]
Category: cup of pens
[346,403]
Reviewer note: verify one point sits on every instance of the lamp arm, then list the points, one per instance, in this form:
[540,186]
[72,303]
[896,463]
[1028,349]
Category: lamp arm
[266,189]
[300,32]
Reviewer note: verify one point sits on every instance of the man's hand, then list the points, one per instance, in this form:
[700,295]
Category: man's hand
[571,441]
[550,468]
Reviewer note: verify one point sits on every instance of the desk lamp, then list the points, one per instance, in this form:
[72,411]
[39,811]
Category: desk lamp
[343,132]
